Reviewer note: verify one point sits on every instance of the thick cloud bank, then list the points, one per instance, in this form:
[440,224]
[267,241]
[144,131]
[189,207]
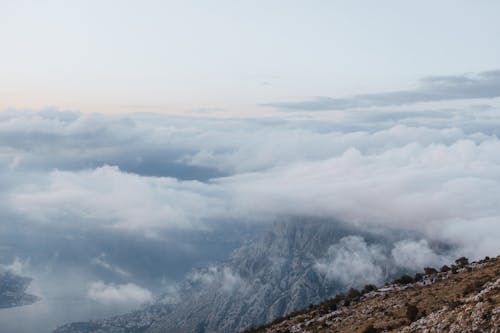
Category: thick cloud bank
[108,210]
[353,262]
[72,171]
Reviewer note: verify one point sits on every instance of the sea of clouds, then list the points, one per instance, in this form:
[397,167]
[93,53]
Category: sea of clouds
[90,171]
[68,178]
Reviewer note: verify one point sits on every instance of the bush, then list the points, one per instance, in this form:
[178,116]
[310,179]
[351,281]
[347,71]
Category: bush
[333,307]
[462,261]
[430,271]
[368,288]
[330,304]
[469,289]
[411,312]
[454,304]
[353,293]
[370,329]
[473,287]
[404,279]
[445,268]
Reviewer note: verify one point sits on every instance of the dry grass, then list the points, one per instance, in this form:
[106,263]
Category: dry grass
[466,300]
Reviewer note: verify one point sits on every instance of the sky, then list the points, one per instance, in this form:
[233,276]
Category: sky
[232,58]
[141,140]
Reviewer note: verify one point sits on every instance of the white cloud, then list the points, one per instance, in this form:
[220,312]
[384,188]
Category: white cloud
[102,262]
[426,177]
[17,266]
[352,262]
[222,278]
[106,196]
[413,255]
[129,293]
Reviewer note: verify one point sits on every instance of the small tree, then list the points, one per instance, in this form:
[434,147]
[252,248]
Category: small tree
[369,287]
[462,261]
[404,279]
[353,293]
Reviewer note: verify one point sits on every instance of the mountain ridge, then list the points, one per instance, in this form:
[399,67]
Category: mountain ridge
[268,276]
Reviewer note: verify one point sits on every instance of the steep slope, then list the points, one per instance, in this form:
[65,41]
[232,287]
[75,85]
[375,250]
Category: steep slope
[265,278]
[287,268]
[460,299]
[261,280]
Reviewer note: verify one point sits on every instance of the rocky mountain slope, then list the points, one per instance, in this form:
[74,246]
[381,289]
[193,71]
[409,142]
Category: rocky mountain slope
[265,278]
[12,290]
[461,298]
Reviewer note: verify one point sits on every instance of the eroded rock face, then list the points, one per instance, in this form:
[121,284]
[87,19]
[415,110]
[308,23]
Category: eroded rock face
[12,290]
[465,300]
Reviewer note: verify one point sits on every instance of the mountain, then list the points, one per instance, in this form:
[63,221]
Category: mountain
[12,290]
[265,278]
[463,298]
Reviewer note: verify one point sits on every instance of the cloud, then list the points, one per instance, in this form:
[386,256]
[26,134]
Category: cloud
[101,261]
[101,292]
[17,266]
[74,186]
[107,197]
[431,89]
[412,254]
[425,175]
[353,263]
[414,186]
[430,180]
[219,277]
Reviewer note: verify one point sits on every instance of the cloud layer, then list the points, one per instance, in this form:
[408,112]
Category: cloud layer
[126,293]
[137,200]
[422,175]
[431,89]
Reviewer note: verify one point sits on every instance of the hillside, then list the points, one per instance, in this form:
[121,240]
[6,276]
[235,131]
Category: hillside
[461,298]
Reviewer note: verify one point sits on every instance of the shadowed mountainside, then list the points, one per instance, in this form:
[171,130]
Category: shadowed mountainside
[267,277]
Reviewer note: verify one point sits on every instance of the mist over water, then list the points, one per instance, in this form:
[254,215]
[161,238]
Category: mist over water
[91,275]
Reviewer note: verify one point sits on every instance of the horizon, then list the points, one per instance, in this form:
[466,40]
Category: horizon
[217,165]
[230,59]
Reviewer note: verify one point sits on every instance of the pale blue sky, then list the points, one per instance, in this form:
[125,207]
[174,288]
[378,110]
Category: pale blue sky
[233,56]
